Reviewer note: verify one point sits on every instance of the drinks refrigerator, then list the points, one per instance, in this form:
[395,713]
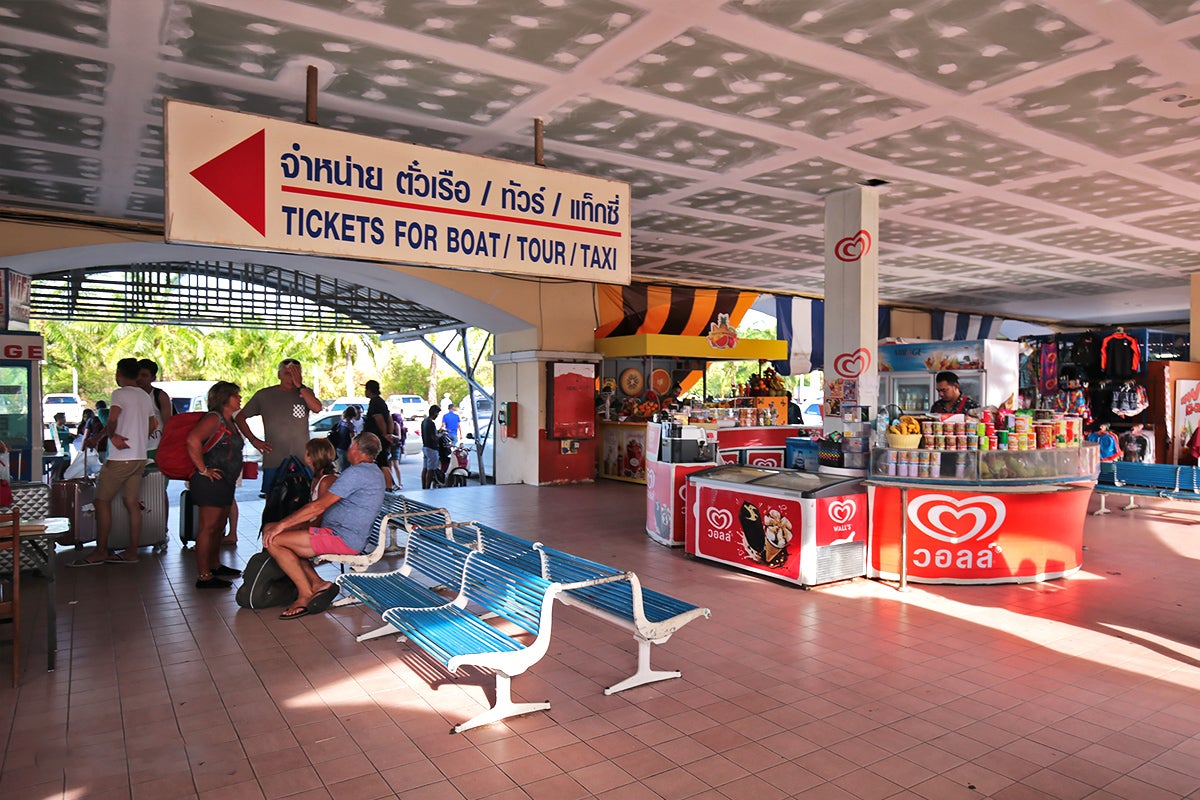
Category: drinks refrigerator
[986,370]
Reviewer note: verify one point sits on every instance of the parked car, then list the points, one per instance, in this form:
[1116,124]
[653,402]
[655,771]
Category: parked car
[321,423]
[187,395]
[340,404]
[64,402]
[319,426]
[409,406]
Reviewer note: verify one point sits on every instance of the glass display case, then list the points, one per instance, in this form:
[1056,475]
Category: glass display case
[1050,465]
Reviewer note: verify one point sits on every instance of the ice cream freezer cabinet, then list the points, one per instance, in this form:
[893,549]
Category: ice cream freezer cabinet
[793,526]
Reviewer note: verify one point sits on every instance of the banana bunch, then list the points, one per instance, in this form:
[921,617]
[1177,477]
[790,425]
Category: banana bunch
[905,424]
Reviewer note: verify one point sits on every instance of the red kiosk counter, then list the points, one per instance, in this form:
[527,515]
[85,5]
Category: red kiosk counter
[979,516]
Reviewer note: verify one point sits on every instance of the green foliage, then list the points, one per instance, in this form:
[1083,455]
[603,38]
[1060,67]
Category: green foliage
[335,364]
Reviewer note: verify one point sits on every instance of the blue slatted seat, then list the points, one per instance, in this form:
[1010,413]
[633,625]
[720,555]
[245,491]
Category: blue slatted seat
[652,616]
[430,561]
[1168,481]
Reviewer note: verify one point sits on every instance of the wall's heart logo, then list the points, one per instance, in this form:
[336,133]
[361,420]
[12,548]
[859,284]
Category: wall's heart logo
[650,480]
[842,511]
[683,491]
[720,518]
[764,461]
[852,248]
[851,365]
[955,521]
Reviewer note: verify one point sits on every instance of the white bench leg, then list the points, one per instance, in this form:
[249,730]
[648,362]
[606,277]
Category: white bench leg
[386,630]
[393,544]
[644,674]
[503,708]
[1132,504]
[344,601]
[1103,509]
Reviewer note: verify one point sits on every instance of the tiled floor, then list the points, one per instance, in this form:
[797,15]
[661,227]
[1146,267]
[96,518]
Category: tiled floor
[1082,688]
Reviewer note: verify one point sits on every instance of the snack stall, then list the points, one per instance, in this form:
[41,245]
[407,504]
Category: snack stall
[641,372]
[1007,509]
[797,527]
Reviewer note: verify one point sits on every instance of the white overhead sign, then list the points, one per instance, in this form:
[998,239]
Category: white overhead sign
[239,180]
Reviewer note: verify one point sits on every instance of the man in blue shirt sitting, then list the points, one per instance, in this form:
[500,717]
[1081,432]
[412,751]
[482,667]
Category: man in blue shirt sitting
[344,520]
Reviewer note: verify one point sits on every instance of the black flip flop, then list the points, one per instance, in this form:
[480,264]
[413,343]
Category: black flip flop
[323,599]
[303,611]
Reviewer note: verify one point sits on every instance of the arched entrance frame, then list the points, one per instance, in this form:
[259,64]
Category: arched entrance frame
[533,320]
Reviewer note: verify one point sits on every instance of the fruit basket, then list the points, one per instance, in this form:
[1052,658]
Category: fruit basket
[904,441]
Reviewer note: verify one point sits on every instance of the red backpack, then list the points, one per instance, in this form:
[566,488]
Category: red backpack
[172,456]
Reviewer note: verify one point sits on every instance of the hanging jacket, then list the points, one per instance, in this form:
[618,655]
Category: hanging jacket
[1119,356]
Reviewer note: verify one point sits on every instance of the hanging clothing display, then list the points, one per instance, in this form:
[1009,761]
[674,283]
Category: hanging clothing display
[1120,357]
[1048,373]
[1087,354]
[1129,400]
[1071,401]
[1110,446]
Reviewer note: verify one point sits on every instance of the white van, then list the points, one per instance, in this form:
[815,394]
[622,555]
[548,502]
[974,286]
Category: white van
[409,406]
[193,396]
[187,395]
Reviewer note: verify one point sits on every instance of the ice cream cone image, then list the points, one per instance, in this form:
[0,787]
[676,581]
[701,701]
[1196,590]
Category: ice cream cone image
[777,534]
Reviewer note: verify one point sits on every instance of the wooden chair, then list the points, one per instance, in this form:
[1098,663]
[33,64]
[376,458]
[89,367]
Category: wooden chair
[10,541]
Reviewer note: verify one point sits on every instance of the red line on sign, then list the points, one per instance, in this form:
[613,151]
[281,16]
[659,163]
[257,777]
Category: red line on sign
[379,201]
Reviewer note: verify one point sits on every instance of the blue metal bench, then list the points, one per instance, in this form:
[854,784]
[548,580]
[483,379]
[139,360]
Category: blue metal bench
[1167,481]
[652,616]
[443,627]
[458,638]
[431,562]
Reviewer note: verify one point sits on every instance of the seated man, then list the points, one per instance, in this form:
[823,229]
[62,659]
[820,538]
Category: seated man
[350,508]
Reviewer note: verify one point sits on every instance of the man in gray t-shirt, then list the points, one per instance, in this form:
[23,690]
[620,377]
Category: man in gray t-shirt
[347,515]
[284,409]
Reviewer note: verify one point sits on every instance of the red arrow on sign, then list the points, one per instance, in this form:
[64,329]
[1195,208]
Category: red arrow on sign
[238,178]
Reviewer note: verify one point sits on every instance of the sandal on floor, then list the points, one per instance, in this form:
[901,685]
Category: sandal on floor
[300,611]
[85,562]
[323,599]
[222,571]
[213,583]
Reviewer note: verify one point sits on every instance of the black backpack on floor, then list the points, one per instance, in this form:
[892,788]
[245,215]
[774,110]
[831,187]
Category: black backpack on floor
[264,584]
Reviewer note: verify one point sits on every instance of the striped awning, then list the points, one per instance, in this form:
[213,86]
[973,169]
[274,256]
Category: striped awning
[641,308]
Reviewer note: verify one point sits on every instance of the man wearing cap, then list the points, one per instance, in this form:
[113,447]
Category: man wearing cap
[379,422]
[284,409]
[452,422]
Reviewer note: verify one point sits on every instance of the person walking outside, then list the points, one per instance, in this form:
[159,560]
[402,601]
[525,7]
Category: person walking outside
[429,447]
[379,422]
[284,409]
[452,423]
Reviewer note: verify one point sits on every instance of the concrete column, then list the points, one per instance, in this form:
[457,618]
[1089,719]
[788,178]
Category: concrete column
[851,303]
[1194,324]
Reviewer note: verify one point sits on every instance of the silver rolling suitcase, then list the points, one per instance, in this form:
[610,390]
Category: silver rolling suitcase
[73,499]
[153,501]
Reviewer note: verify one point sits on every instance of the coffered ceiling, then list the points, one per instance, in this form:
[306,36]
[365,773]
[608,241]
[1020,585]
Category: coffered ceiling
[1041,158]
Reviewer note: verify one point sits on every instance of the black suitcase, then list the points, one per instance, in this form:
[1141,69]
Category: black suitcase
[189,518]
